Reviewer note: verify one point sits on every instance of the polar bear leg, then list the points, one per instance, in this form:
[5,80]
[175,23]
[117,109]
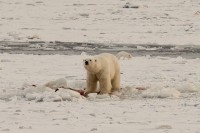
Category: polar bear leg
[105,86]
[91,84]
[116,83]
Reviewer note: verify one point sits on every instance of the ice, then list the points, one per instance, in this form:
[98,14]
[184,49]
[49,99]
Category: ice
[140,22]
[188,88]
[145,80]
[59,83]
[31,96]
[64,95]
[79,84]
[159,94]
[45,94]
[92,96]
[160,77]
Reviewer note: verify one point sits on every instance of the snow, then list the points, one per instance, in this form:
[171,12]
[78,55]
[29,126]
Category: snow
[153,22]
[158,94]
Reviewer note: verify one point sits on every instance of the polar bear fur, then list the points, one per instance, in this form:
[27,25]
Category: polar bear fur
[105,69]
[123,55]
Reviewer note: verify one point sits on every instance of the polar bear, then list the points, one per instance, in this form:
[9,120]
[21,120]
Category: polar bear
[105,69]
[123,55]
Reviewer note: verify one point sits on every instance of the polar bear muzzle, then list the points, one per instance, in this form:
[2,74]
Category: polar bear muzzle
[86,62]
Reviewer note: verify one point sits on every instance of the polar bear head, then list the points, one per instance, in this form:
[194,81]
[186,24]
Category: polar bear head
[128,56]
[92,65]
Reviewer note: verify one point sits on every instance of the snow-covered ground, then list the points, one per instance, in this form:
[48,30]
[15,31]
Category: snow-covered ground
[106,21]
[159,93]
[170,103]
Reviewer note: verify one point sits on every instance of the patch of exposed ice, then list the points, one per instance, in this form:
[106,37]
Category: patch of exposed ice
[157,92]
[188,88]
[46,94]
[79,84]
[141,48]
[59,83]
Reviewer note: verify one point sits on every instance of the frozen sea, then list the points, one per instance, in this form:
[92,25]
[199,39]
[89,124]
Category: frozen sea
[45,41]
